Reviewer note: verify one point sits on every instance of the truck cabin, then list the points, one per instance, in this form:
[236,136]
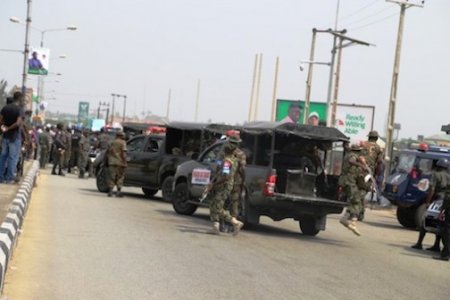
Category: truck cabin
[297,155]
[189,139]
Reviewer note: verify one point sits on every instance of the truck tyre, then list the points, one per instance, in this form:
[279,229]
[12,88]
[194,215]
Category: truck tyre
[405,217]
[102,180]
[166,188]
[149,193]
[418,215]
[180,198]
[308,226]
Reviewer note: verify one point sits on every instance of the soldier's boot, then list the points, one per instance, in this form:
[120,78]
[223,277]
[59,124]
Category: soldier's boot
[54,170]
[237,225]
[61,173]
[216,228]
[110,192]
[352,226]
[81,175]
[119,193]
[344,220]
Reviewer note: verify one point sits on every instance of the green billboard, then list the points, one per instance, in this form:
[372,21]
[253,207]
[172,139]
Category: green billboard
[283,105]
[83,113]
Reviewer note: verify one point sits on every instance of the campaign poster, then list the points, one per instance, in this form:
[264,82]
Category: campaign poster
[282,110]
[38,61]
[355,121]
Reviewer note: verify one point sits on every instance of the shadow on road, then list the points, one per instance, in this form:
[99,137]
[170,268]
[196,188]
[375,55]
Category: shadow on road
[386,225]
[415,252]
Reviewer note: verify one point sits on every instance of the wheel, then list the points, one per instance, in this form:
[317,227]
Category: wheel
[308,226]
[405,217]
[418,215]
[102,180]
[149,192]
[180,198]
[166,188]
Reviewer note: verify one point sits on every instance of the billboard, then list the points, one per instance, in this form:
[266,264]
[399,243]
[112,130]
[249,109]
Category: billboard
[283,105]
[38,61]
[355,121]
[83,113]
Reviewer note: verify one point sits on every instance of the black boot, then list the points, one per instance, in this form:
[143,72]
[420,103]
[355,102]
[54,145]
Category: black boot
[110,192]
[119,193]
[81,175]
[60,173]
[54,170]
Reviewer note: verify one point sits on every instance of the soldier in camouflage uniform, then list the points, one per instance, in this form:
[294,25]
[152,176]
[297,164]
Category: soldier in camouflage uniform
[374,157]
[443,180]
[83,152]
[239,177]
[351,170]
[45,143]
[117,163]
[59,148]
[103,140]
[221,189]
[67,153]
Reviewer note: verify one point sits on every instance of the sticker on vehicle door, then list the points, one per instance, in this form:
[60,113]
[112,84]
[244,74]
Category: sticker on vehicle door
[201,176]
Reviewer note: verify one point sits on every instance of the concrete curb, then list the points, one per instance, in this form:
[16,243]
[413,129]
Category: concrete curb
[10,228]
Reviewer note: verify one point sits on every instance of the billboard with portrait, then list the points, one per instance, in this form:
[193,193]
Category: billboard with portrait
[38,61]
[283,105]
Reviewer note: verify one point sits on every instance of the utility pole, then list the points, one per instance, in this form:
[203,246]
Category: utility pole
[258,85]
[197,101]
[124,107]
[275,85]
[393,95]
[168,103]
[309,78]
[112,110]
[252,94]
[25,59]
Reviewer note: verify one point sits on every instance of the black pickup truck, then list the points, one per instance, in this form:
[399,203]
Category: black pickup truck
[284,175]
[153,159]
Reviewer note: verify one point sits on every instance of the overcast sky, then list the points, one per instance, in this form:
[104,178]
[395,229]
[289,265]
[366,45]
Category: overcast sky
[143,48]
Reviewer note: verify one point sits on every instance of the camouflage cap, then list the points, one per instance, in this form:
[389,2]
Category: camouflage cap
[373,133]
[234,139]
[355,147]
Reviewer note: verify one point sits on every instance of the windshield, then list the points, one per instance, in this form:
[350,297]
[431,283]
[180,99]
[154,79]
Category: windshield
[406,162]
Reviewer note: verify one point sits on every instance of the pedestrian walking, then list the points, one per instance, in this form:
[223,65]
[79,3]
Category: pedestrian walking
[60,145]
[116,162]
[10,121]
[221,189]
[351,171]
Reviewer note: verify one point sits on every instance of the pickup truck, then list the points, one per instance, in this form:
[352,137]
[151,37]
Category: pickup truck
[284,175]
[153,158]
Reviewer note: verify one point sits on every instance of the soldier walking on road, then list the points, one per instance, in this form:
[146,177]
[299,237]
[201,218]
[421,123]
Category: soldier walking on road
[83,152]
[351,170]
[221,189]
[374,157]
[67,153]
[45,143]
[444,216]
[59,148]
[116,156]
[239,177]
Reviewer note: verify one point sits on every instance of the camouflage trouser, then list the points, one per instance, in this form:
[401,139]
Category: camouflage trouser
[216,210]
[66,159]
[354,197]
[235,199]
[116,176]
[58,160]
[82,161]
[43,158]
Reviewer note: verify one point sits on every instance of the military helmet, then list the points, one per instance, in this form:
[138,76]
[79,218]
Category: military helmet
[443,163]
[355,147]
[234,139]
[373,134]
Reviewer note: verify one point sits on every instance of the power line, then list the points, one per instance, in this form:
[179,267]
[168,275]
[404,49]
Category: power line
[374,22]
[354,12]
[369,16]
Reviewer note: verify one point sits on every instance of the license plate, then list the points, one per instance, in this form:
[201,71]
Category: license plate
[436,206]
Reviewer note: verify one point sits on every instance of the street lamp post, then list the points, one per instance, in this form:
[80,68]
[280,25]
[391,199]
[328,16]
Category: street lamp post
[25,58]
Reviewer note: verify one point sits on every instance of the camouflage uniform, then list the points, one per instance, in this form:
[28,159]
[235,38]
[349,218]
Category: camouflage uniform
[117,163]
[444,180]
[348,181]
[221,191]
[44,146]
[60,146]
[68,151]
[103,141]
[75,149]
[83,153]
[239,180]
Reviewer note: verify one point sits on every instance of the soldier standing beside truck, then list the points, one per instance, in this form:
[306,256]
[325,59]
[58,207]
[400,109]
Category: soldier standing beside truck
[239,177]
[116,163]
[444,216]
[221,189]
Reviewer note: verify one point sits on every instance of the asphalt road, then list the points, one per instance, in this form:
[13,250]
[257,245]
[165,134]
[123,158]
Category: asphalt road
[79,244]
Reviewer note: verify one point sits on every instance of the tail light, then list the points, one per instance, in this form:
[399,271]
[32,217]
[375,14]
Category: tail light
[269,186]
[414,173]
